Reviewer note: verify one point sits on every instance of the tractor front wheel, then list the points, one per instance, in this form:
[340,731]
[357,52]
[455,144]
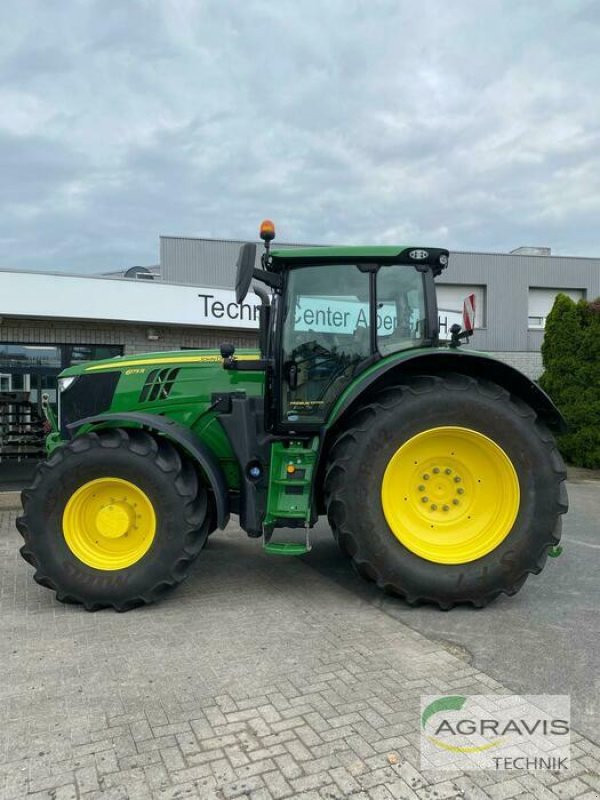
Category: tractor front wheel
[113,519]
[446,489]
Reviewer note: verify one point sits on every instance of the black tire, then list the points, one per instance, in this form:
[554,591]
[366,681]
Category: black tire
[156,467]
[360,454]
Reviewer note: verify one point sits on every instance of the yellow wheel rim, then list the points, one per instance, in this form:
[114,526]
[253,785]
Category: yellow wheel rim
[109,523]
[450,495]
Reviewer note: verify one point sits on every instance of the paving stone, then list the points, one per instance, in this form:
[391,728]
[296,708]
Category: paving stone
[172,758]
[243,787]
[260,794]
[566,790]
[505,789]
[344,780]
[298,751]
[376,793]
[140,730]
[68,792]
[308,782]
[87,779]
[258,679]
[288,767]
[592,778]
[277,785]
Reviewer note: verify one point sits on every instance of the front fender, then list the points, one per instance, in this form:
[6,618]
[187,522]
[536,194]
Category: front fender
[187,441]
[434,362]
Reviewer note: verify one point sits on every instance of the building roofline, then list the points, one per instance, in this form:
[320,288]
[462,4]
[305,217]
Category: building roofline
[161,282]
[55,273]
[519,255]
[236,241]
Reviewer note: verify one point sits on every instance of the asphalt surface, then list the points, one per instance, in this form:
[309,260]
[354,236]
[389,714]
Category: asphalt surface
[545,640]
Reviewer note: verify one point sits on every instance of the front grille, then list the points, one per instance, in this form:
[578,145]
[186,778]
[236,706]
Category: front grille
[87,396]
[158,385]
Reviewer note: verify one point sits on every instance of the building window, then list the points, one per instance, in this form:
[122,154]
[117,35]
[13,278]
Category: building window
[450,299]
[23,356]
[541,300]
[27,372]
[78,353]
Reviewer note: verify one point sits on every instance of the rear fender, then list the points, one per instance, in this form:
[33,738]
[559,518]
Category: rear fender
[186,439]
[477,365]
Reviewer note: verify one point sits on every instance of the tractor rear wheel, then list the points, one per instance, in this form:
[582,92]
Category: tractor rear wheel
[113,519]
[446,489]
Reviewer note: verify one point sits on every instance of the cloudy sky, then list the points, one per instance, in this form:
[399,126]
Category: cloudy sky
[472,124]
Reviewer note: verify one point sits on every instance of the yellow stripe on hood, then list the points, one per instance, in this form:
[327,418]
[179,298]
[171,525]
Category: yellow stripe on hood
[142,362]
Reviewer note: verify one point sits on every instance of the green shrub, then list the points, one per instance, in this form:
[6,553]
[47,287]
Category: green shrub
[571,355]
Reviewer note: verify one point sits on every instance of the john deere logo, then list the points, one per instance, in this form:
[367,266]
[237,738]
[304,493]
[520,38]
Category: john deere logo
[418,255]
[440,726]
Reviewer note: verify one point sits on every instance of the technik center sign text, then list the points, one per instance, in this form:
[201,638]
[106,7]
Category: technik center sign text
[226,312]
[311,314]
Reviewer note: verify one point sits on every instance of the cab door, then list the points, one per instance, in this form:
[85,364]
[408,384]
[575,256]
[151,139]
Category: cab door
[326,338]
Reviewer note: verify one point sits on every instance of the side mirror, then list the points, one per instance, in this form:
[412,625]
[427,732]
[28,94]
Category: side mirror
[245,269]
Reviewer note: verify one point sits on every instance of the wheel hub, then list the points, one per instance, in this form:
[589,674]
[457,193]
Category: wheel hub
[440,488]
[113,520]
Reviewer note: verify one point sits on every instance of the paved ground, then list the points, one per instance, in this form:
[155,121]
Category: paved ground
[259,678]
[546,640]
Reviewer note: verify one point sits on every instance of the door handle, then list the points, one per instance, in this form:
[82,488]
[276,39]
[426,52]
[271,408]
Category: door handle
[292,374]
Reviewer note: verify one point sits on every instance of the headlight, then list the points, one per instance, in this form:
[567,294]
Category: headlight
[65,383]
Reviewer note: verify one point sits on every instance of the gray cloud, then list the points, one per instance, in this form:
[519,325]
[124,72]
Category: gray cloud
[471,125]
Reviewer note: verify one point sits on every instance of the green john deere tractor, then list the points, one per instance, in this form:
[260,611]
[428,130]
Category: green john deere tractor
[436,468]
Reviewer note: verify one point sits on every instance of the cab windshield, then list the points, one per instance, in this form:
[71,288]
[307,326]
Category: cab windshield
[328,330]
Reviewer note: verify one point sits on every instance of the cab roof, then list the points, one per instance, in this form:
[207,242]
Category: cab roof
[386,254]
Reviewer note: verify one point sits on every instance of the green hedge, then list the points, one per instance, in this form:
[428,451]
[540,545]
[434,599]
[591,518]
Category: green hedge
[571,354]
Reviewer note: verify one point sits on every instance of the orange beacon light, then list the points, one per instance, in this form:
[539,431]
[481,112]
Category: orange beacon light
[267,230]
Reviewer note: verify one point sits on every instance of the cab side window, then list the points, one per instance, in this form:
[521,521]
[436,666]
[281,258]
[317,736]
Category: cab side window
[401,316]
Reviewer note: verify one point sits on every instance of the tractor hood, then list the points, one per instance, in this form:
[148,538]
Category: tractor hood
[140,362]
[180,384]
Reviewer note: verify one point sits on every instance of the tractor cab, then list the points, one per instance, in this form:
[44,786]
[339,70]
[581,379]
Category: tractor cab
[335,311]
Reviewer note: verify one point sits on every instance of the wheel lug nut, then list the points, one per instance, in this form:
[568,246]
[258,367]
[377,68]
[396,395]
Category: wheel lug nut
[460,491]
[445,508]
[421,488]
[426,477]
[448,471]
[436,470]
[433,507]
[456,479]
[455,502]
[424,499]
